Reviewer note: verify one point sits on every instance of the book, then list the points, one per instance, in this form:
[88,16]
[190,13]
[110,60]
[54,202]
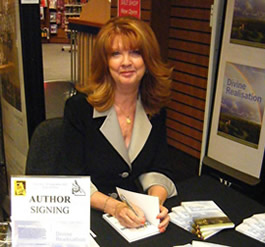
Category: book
[253,227]
[212,223]
[150,207]
[204,234]
[132,234]
[202,218]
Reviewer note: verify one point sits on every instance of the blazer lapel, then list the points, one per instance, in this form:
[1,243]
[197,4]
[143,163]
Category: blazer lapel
[141,130]
[111,130]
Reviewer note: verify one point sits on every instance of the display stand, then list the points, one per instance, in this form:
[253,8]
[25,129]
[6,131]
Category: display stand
[233,143]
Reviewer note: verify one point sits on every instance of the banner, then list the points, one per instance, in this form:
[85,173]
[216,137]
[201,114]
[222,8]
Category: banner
[14,117]
[237,135]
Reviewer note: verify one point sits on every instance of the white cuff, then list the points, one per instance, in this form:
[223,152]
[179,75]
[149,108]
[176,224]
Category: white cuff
[155,178]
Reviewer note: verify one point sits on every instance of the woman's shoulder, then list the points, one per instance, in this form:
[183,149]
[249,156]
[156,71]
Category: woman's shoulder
[78,102]
[77,97]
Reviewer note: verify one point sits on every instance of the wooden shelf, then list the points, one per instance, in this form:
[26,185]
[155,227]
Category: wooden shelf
[61,35]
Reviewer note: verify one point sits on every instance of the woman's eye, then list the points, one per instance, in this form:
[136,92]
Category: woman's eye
[136,52]
[115,53]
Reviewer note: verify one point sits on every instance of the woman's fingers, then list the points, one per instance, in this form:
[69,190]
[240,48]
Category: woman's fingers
[164,218]
[127,217]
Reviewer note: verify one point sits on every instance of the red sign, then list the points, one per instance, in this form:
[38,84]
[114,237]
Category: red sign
[129,7]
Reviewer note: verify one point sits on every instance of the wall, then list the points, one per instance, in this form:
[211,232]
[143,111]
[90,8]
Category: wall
[188,50]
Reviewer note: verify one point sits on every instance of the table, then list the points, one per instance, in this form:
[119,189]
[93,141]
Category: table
[236,205]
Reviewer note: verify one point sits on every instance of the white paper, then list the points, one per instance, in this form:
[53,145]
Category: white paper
[201,209]
[149,204]
[181,217]
[253,227]
[50,211]
[205,244]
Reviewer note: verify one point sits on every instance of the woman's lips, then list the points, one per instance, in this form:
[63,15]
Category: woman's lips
[127,73]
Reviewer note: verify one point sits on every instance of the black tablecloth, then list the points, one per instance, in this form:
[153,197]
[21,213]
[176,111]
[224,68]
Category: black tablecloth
[236,205]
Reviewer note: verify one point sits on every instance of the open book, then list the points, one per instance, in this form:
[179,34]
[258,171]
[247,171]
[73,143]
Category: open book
[203,218]
[150,207]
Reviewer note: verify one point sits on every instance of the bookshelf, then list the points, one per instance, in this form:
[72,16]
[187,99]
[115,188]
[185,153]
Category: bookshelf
[54,19]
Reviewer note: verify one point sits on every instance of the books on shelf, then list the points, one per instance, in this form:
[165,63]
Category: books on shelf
[150,207]
[203,218]
[253,227]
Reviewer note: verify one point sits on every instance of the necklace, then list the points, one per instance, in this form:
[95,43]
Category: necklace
[128,120]
[127,117]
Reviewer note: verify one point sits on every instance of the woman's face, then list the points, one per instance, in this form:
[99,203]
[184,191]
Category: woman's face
[126,66]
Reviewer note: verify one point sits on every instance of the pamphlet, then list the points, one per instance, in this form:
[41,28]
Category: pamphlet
[202,218]
[150,207]
[50,211]
[253,227]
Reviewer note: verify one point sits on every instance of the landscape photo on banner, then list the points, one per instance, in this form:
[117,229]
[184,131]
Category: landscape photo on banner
[242,105]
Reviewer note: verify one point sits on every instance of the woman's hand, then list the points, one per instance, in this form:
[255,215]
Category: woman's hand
[127,217]
[161,193]
[164,218]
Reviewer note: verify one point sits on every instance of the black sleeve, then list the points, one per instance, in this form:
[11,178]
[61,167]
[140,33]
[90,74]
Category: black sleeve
[162,162]
[76,115]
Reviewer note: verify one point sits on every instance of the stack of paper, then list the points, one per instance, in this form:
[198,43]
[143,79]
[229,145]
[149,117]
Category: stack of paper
[253,227]
[203,218]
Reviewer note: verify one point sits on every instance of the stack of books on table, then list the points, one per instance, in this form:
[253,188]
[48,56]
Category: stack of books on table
[253,227]
[203,218]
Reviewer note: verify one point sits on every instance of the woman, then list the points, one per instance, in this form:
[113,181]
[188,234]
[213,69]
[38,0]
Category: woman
[115,129]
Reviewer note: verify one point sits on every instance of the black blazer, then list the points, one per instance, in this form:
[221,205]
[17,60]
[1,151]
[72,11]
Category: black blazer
[94,146]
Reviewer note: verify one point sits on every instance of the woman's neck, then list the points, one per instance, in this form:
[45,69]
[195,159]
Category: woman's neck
[125,100]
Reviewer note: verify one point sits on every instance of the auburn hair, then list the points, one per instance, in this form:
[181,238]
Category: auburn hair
[135,34]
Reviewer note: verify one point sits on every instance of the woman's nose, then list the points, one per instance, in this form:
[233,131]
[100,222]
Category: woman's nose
[126,59]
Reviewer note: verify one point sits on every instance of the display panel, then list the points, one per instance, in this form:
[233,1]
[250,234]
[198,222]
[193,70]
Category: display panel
[237,135]
[12,89]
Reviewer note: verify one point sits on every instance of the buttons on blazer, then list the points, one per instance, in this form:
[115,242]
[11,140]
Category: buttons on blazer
[124,174]
[113,195]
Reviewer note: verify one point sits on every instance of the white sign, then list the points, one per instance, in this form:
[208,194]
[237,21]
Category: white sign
[50,211]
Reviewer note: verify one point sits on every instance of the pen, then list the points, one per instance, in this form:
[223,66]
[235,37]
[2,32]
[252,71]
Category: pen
[123,198]
[93,234]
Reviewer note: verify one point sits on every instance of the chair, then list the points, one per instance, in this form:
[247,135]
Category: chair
[45,148]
